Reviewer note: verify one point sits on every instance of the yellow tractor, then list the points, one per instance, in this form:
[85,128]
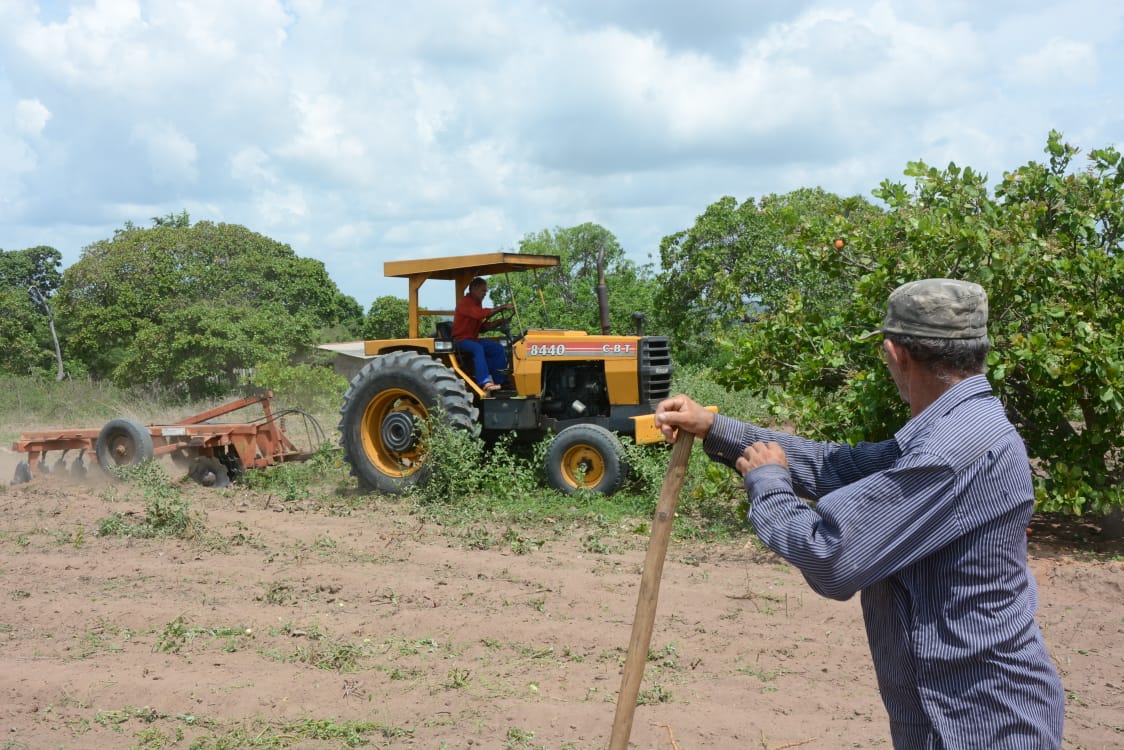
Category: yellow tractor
[583,389]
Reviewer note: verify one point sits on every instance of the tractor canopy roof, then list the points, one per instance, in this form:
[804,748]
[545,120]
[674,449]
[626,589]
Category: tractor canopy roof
[465,267]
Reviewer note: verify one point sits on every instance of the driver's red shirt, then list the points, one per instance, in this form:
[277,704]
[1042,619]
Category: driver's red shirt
[468,317]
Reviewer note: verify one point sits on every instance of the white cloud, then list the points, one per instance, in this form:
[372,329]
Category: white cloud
[251,166]
[323,140]
[484,222]
[435,103]
[357,131]
[90,45]
[172,156]
[1058,63]
[279,208]
[18,159]
[31,117]
[349,234]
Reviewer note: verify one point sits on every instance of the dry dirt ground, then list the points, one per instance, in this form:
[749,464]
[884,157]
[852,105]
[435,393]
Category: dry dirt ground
[329,621]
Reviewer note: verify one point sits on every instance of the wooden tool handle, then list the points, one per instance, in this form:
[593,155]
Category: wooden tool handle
[649,591]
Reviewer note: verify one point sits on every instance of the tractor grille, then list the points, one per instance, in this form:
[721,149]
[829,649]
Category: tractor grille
[655,368]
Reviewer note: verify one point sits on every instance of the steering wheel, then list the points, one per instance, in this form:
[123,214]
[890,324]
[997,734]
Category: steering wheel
[502,323]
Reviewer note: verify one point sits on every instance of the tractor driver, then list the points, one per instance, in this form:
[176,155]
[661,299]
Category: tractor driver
[469,320]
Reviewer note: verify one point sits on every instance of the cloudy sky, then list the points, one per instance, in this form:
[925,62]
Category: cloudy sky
[359,131]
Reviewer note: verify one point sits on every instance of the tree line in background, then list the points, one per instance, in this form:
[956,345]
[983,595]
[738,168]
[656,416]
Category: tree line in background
[179,306]
[770,295]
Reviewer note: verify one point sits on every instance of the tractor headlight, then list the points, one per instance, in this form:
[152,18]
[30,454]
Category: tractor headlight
[442,346]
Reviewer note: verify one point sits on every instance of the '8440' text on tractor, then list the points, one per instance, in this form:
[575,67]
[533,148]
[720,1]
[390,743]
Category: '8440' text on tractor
[583,390]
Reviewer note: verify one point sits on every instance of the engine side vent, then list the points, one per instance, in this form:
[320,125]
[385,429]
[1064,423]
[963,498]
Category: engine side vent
[655,368]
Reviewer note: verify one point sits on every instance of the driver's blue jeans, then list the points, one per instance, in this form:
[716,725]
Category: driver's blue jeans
[488,359]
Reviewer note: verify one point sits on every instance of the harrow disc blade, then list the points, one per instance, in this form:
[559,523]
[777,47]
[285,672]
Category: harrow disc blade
[209,472]
[23,473]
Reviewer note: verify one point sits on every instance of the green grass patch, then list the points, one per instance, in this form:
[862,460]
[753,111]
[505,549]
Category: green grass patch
[301,480]
[158,730]
[166,512]
[178,634]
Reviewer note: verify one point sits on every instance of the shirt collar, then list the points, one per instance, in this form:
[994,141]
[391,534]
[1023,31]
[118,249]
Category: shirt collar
[918,427]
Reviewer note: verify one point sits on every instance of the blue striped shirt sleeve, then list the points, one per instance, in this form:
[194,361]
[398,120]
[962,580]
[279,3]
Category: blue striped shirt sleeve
[878,520]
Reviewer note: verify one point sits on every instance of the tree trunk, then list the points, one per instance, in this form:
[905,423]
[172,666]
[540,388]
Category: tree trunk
[61,374]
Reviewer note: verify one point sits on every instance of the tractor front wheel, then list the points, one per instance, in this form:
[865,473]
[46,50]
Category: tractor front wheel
[586,456]
[384,412]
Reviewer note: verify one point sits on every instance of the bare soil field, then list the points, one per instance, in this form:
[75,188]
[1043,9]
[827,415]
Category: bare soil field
[332,620]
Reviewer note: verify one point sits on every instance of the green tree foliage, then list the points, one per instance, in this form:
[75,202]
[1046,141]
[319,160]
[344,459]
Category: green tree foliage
[23,333]
[1046,246]
[187,306]
[566,296]
[388,318]
[311,387]
[737,261]
[1061,328]
[179,221]
[28,279]
[36,267]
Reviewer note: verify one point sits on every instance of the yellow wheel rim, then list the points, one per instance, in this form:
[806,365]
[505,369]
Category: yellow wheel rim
[583,466]
[388,439]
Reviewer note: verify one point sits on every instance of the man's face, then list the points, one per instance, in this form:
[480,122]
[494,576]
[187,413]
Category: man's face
[478,292]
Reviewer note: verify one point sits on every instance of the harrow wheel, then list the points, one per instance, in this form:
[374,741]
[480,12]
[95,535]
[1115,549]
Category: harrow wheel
[122,442]
[384,412]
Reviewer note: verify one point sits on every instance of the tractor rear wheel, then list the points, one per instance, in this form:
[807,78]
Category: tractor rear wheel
[586,456]
[383,413]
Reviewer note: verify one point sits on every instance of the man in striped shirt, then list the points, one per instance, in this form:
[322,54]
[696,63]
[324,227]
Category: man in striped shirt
[930,527]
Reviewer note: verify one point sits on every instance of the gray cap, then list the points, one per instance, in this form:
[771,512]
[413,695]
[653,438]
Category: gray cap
[937,309]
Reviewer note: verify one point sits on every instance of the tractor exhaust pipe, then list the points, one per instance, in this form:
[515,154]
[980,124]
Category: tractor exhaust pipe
[602,293]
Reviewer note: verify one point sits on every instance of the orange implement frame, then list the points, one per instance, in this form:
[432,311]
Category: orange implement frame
[257,444]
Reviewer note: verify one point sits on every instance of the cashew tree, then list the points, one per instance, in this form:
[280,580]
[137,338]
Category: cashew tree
[1045,242]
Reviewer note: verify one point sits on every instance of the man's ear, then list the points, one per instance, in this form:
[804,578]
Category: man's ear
[898,354]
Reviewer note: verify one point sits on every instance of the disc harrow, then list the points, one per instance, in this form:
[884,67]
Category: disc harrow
[215,453]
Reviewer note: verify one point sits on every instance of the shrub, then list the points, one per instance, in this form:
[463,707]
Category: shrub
[453,461]
[309,387]
[167,513]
